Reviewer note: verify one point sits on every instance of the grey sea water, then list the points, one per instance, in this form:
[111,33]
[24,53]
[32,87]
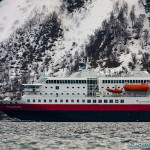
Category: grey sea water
[77,136]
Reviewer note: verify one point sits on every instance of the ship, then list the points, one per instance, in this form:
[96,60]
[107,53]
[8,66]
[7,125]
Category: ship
[86,95]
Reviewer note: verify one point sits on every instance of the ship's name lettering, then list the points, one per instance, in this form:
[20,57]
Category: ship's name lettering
[13,106]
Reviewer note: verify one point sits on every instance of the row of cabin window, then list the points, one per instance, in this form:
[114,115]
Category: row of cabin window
[83,101]
[57,87]
[63,93]
[125,81]
[66,81]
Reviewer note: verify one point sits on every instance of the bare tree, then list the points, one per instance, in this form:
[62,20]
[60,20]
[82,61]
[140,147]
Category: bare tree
[146,36]
[132,15]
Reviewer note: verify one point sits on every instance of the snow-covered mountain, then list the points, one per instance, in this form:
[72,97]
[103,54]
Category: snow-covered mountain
[44,37]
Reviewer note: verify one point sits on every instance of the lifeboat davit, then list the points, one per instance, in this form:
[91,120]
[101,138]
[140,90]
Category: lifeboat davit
[136,87]
[114,90]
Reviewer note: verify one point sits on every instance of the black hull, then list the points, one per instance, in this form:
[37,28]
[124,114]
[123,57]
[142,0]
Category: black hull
[81,116]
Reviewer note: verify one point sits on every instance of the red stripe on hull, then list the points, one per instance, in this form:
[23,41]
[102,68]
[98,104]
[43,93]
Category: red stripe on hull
[77,107]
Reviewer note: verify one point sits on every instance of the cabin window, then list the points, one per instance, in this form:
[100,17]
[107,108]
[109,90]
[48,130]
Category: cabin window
[119,81]
[88,101]
[121,101]
[46,87]
[54,81]
[116,101]
[67,93]
[111,81]
[33,100]
[45,93]
[105,81]
[57,87]
[66,100]
[83,93]
[51,87]
[144,81]
[83,87]
[66,81]
[94,101]
[136,81]
[141,81]
[28,100]
[55,100]
[72,93]
[78,93]
[69,81]
[133,81]
[62,93]
[130,81]
[40,93]
[72,101]
[51,93]
[39,100]
[105,100]
[73,87]
[122,81]
[83,101]
[110,101]
[50,100]
[44,100]
[99,101]
[77,81]
[61,101]
[67,87]
[77,100]
[47,82]
[108,81]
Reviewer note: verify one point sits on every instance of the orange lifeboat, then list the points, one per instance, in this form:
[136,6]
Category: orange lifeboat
[136,87]
[114,90]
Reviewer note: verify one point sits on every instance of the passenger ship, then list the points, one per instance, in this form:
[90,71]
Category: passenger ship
[84,96]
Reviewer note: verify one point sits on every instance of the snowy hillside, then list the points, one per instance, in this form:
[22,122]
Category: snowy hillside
[42,37]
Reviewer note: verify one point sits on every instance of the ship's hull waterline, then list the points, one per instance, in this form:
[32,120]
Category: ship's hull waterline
[80,116]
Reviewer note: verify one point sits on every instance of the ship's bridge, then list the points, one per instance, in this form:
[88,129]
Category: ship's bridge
[31,87]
